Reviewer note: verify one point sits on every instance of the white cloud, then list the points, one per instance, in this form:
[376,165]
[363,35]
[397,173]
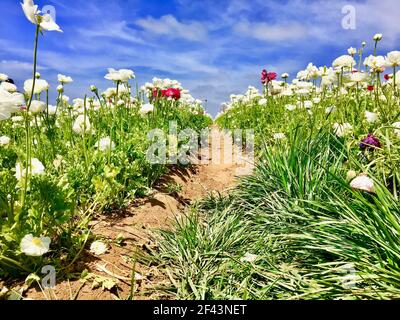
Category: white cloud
[168,25]
[267,32]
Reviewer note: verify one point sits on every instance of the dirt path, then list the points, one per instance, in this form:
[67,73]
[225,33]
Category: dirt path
[132,230]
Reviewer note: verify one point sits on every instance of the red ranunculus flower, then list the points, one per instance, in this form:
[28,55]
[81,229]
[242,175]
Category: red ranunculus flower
[264,76]
[271,76]
[172,93]
[371,88]
[387,77]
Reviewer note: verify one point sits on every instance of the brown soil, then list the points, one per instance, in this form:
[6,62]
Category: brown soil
[134,227]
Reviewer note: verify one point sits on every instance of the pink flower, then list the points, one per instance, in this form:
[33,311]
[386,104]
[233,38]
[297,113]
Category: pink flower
[267,76]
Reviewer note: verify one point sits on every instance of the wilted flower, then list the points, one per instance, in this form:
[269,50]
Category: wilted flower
[34,246]
[46,22]
[370,142]
[363,182]
[351,174]
[98,248]
[40,86]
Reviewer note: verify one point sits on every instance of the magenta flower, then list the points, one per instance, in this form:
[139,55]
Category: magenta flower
[370,142]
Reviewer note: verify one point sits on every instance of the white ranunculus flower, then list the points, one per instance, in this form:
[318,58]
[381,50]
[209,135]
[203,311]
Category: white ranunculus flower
[290,107]
[3,77]
[146,108]
[262,102]
[344,61]
[279,136]
[122,75]
[393,59]
[105,144]
[98,248]
[285,75]
[342,129]
[371,116]
[396,125]
[330,109]
[8,87]
[34,246]
[37,168]
[37,106]
[52,109]
[32,13]
[377,64]
[363,182]
[10,103]
[378,37]
[80,124]
[351,51]
[64,79]
[359,77]
[40,86]
[4,140]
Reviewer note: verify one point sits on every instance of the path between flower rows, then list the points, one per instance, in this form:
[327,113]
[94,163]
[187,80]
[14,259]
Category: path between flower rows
[136,226]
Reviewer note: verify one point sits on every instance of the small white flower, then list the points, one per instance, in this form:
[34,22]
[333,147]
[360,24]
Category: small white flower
[279,136]
[285,75]
[396,125]
[52,109]
[363,182]
[64,79]
[262,102]
[351,51]
[378,37]
[342,129]
[146,108]
[371,116]
[105,144]
[290,107]
[330,109]
[98,248]
[4,140]
[34,246]
[249,257]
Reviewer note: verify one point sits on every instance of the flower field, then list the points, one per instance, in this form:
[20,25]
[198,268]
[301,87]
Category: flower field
[317,218]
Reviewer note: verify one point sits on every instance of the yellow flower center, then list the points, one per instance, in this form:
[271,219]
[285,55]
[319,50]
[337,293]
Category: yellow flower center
[37,241]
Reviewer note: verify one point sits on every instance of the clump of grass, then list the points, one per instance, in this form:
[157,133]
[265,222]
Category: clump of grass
[293,230]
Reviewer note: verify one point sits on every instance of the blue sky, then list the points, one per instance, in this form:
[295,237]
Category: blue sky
[214,48]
